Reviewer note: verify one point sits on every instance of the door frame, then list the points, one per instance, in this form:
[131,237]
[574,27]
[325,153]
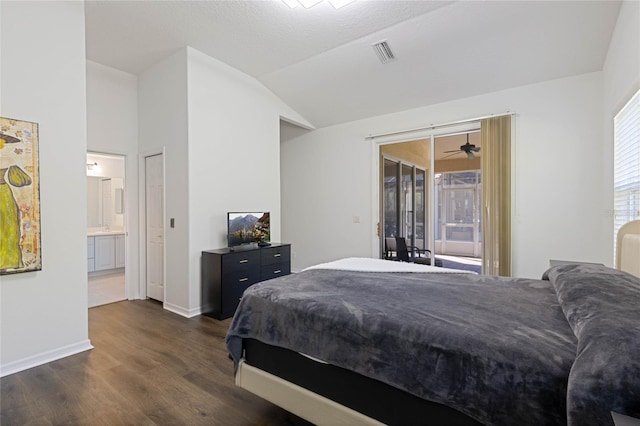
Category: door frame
[400,231]
[426,133]
[130,259]
[142,220]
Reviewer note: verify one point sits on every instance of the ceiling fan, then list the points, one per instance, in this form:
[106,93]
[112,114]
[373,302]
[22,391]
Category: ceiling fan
[467,148]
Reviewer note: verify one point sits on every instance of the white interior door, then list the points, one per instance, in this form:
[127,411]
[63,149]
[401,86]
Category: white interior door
[155,226]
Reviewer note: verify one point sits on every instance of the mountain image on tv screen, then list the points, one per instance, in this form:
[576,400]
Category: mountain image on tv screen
[246,228]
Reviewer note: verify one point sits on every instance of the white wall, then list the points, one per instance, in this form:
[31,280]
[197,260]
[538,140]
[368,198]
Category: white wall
[327,175]
[220,133]
[112,128]
[234,155]
[162,114]
[108,166]
[44,314]
[621,75]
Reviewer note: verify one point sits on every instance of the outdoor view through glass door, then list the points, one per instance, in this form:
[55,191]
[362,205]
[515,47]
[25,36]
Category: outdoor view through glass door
[450,225]
[404,202]
[458,230]
[446,210]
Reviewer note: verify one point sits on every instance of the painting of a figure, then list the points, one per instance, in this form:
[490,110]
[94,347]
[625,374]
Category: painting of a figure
[19,197]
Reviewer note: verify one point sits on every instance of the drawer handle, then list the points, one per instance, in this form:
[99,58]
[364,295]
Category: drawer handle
[277,255]
[277,271]
[244,260]
[243,280]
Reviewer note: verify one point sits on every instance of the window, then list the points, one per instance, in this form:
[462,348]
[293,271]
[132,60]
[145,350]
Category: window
[626,168]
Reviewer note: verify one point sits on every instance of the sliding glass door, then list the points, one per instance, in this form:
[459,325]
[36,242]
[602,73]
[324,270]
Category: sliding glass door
[420,217]
[390,199]
[404,202]
[447,210]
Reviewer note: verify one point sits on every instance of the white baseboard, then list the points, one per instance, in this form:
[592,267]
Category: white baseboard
[187,313]
[45,357]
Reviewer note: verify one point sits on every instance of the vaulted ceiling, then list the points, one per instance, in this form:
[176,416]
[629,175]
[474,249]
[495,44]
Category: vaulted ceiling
[320,61]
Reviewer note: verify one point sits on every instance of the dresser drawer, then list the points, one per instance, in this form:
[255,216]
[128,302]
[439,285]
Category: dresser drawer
[240,278]
[276,255]
[231,294]
[274,271]
[240,261]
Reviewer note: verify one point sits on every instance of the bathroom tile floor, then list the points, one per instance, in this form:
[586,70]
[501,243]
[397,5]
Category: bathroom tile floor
[105,289]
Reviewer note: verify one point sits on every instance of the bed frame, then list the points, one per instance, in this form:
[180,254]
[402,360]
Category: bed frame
[325,394]
[297,400]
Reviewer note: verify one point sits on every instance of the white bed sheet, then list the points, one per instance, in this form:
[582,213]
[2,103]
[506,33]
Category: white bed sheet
[365,264]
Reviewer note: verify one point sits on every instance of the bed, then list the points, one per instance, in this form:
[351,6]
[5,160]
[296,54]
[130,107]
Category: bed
[628,248]
[354,342]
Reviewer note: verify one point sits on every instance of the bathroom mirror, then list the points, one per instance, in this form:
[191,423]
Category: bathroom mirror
[105,202]
[105,191]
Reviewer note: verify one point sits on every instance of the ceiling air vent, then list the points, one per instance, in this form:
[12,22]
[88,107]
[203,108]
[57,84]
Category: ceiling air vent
[384,52]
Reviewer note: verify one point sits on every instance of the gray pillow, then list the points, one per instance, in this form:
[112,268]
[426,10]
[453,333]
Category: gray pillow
[602,306]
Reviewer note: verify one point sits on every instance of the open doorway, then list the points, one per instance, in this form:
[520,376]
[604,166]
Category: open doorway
[106,229]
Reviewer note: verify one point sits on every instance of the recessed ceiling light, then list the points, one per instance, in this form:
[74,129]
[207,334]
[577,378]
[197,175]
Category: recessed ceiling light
[291,3]
[339,3]
[309,3]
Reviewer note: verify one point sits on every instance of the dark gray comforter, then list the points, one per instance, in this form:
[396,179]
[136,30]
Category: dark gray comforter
[602,306]
[499,350]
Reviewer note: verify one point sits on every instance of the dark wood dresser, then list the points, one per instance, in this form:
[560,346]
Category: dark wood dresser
[227,273]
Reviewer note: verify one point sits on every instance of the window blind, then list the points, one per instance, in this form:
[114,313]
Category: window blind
[626,169]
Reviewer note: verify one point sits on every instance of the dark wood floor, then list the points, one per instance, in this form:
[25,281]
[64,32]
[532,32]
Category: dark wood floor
[148,367]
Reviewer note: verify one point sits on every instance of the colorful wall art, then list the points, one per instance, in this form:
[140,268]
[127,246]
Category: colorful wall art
[19,197]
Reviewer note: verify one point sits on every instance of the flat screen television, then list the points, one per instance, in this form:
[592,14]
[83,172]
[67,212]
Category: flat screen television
[247,228]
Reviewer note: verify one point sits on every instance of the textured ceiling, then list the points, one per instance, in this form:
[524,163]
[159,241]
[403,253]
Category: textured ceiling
[320,61]
[256,37]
